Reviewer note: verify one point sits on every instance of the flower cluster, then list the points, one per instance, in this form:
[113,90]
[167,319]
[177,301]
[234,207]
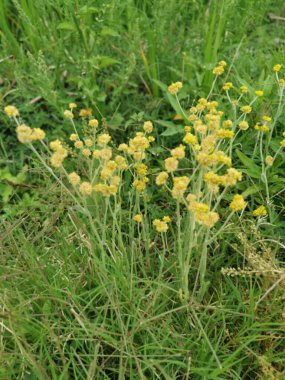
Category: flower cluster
[161,225]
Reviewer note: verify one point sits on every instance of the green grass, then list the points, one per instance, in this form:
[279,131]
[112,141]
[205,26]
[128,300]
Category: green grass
[64,314]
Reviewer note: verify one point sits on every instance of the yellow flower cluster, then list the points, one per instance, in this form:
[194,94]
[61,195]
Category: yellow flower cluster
[238,203]
[277,67]
[227,86]
[11,111]
[141,173]
[148,126]
[161,225]
[59,153]
[138,218]
[161,179]
[246,109]
[179,186]
[175,87]
[27,135]
[261,127]
[259,211]
[201,212]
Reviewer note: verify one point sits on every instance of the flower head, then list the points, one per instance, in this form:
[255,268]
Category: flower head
[74,178]
[175,87]
[138,218]
[11,111]
[86,188]
[259,211]
[246,109]
[277,67]
[161,178]
[148,126]
[171,164]
[238,203]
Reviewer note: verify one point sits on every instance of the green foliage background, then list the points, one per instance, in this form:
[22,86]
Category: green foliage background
[66,317]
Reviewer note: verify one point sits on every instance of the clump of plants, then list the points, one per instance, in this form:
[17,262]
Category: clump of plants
[183,200]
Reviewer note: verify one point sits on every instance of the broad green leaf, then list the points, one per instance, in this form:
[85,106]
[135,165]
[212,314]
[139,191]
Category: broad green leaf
[106,31]
[173,130]
[251,190]
[253,170]
[105,61]
[67,25]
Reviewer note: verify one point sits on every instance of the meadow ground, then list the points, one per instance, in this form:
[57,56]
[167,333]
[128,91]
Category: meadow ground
[142,189]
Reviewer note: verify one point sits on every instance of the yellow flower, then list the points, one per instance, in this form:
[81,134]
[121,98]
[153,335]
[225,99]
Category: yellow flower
[73,137]
[227,86]
[151,139]
[166,219]
[86,152]
[238,203]
[243,125]
[187,129]
[178,152]
[93,123]
[68,114]
[277,67]
[37,134]
[141,169]
[193,110]
[258,93]
[106,190]
[283,134]
[190,139]
[85,188]
[218,70]
[74,178]
[138,218]
[281,82]
[88,142]
[103,139]
[261,127]
[85,112]
[161,178]
[267,119]
[179,186]
[56,160]
[160,225]
[11,111]
[269,160]
[72,105]
[246,109]
[259,211]
[55,145]
[213,181]
[115,180]
[171,164]
[224,134]
[282,143]
[123,147]
[148,126]
[96,153]
[121,162]
[24,134]
[78,144]
[105,153]
[209,144]
[175,87]
[243,89]
[227,124]
[140,184]
[223,63]
[231,178]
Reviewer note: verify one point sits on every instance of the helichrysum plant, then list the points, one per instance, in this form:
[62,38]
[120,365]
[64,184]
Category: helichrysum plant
[197,179]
